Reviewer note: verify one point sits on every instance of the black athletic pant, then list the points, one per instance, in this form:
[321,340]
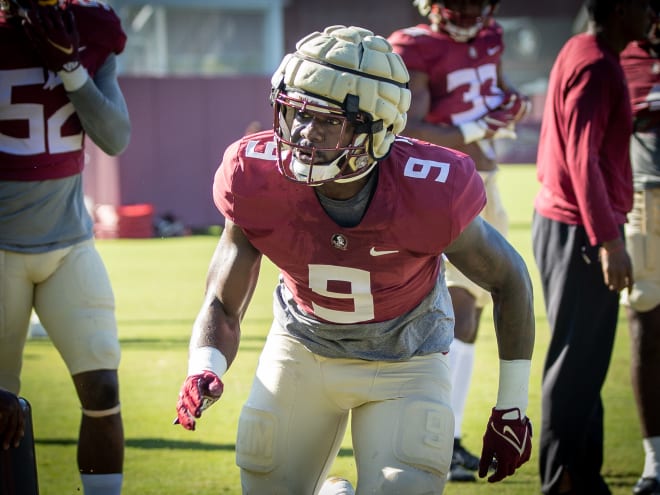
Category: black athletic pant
[582,313]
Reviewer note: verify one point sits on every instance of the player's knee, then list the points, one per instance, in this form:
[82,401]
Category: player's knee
[422,452]
[98,390]
[411,481]
[256,440]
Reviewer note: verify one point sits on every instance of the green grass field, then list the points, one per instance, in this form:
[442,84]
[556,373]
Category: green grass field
[158,286]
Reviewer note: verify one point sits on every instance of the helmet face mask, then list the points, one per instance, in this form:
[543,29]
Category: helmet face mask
[463,22]
[461,19]
[323,157]
[338,103]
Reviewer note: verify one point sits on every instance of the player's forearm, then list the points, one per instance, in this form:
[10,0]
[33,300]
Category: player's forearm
[102,110]
[513,312]
[214,328]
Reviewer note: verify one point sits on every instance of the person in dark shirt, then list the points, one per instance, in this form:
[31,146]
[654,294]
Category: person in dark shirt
[577,229]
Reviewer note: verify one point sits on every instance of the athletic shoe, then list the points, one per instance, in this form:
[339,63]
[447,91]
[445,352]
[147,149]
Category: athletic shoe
[337,486]
[647,486]
[460,474]
[462,457]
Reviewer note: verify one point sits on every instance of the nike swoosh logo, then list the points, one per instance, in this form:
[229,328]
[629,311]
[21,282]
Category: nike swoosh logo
[66,50]
[373,252]
[493,50]
[510,436]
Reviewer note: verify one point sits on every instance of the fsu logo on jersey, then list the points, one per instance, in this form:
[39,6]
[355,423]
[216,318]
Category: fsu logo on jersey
[339,241]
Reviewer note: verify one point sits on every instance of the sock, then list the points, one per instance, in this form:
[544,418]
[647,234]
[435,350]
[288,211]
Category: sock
[461,362]
[102,484]
[652,459]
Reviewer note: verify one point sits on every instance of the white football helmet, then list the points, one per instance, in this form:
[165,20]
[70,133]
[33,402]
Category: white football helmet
[352,76]
[461,19]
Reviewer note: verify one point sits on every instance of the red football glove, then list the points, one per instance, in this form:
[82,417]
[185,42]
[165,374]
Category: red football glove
[197,394]
[53,33]
[497,119]
[514,107]
[508,442]
[491,126]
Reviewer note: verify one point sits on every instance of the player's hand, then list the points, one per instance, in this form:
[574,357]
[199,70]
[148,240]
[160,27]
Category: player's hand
[12,420]
[616,264]
[197,394]
[499,125]
[514,107]
[52,30]
[507,441]
[492,126]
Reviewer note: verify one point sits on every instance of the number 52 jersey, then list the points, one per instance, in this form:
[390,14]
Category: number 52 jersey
[378,270]
[40,134]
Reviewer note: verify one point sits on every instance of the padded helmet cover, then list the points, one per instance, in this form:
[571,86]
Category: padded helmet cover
[349,65]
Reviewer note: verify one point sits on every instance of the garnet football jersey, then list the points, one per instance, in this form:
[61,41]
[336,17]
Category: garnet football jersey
[40,134]
[462,76]
[642,69]
[381,268]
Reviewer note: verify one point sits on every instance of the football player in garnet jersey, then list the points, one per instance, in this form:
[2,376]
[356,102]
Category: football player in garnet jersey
[57,84]
[640,61]
[357,219]
[461,100]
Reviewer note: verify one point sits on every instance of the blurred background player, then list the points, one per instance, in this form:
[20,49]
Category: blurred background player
[461,100]
[641,62]
[586,193]
[336,199]
[58,83]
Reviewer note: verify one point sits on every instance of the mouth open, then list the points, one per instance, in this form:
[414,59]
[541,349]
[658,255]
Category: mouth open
[305,156]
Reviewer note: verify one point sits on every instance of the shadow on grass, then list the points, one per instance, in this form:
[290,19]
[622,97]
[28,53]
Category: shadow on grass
[162,444]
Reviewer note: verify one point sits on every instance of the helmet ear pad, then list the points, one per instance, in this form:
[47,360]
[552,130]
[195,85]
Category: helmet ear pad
[353,68]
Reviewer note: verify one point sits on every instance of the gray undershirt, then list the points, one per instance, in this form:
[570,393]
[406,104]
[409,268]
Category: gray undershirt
[349,212]
[645,158]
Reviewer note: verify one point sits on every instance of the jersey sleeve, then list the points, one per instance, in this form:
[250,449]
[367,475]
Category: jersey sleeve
[469,197]
[223,195]
[407,44]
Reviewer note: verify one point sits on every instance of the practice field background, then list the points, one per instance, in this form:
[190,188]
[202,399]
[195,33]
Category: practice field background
[159,285]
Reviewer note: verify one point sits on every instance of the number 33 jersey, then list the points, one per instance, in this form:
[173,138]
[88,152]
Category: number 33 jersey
[462,77]
[375,271]
[40,134]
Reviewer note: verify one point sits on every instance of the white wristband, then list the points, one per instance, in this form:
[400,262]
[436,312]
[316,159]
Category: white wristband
[75,79]
[206,358]
[473,131]
[513,388]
